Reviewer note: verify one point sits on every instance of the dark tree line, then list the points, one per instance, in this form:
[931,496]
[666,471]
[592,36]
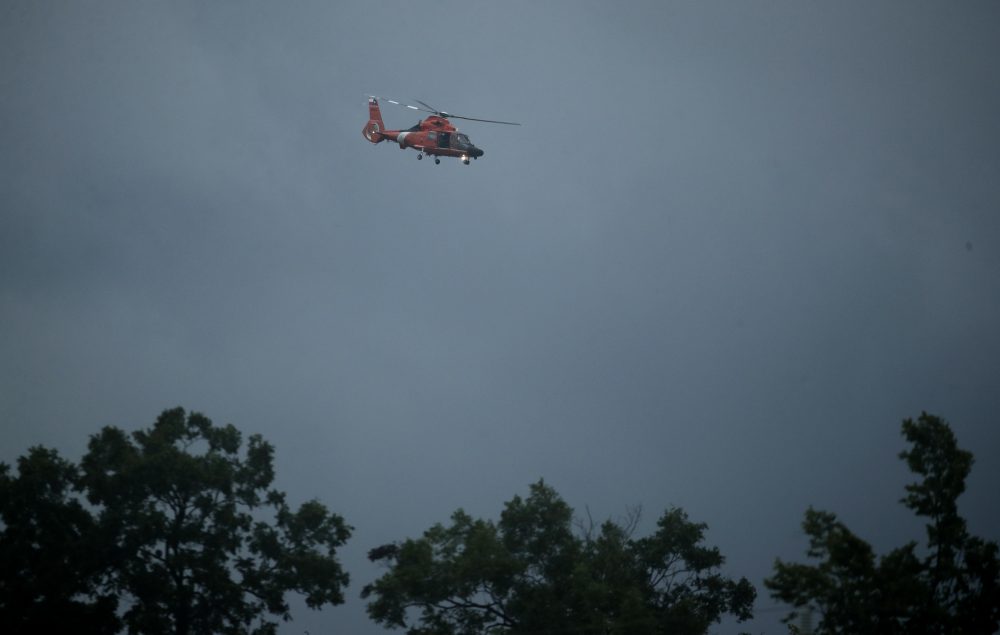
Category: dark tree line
[160,531]
[534,572]
[176,529]
[950,586]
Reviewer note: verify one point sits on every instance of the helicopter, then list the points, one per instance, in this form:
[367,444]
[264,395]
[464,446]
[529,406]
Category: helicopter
[435,135]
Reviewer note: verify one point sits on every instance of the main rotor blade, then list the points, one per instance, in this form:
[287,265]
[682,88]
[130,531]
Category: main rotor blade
[399,103]
[440,113]
[508,123]
[448,115]
[393,101]
[430,108]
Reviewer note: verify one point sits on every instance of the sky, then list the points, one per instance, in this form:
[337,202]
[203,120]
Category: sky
[732,246]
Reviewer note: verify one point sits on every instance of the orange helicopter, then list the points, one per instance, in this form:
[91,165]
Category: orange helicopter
[434,135]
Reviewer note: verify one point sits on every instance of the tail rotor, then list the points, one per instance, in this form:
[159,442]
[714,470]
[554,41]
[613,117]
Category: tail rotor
[373,129]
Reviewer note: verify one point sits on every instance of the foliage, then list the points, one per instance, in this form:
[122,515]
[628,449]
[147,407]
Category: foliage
[535,572]
[953,586]
[177,530]
[50,559]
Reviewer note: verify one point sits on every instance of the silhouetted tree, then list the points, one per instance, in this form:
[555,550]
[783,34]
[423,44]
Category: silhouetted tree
[951,587]
[532,573]
[175,529]
[51,556]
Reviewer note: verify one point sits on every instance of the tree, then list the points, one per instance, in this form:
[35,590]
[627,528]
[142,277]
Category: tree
[533,572]
[190,550]
[950,587]
[50,558]
[174,529]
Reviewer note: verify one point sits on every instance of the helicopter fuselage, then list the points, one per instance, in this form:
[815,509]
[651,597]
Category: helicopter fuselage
[435,135]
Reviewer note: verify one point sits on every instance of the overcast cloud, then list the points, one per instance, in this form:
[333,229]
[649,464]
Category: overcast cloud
[733,245]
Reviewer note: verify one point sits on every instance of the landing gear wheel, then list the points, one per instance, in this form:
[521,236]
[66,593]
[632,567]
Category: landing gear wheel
[437,161]
[466,162]
[419,157]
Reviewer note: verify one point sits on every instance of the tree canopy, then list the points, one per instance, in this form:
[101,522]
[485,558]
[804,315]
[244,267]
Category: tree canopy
[950,586]
[174,527]
[51,565]
[536,571]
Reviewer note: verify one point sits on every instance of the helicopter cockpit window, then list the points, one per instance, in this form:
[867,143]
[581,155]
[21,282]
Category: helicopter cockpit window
[463,139]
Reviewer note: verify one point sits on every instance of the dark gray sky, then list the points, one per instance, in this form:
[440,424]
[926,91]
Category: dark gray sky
[731,247]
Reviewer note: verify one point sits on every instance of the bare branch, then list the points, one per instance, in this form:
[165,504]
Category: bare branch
[586,528]
[630,522]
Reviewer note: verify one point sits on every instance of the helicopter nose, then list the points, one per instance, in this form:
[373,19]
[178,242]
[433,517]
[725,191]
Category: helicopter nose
[476,152]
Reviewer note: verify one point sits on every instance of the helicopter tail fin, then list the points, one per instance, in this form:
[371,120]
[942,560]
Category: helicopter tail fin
[373,129]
